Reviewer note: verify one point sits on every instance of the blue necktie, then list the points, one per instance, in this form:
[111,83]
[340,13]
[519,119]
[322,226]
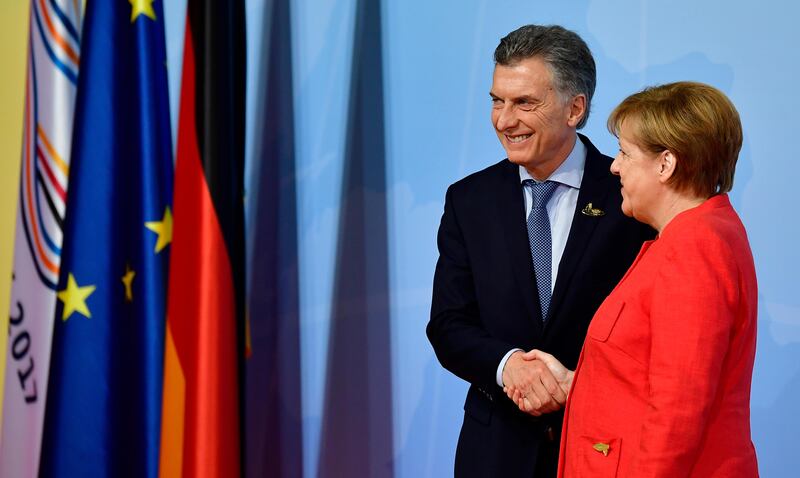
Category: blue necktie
[540,239]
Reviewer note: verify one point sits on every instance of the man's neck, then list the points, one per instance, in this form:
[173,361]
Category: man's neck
[543,171]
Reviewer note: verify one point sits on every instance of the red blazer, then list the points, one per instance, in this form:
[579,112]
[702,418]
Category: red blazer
[662,387]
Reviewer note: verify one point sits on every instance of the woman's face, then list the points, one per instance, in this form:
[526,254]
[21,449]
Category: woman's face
[639,172]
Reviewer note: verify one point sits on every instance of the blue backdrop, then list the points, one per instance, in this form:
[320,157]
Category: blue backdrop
[423,124]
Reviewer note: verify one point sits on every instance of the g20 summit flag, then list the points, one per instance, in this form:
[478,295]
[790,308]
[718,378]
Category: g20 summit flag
[104,398]
[54,48]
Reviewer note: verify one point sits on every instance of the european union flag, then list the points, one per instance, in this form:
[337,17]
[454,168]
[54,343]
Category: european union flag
[103,406]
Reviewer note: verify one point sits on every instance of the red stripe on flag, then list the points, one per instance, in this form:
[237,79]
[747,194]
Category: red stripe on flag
[49,172]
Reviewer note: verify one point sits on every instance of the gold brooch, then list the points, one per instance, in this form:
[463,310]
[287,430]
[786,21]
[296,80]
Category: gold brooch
[592,211]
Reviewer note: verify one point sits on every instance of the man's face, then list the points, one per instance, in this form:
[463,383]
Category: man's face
[534,124]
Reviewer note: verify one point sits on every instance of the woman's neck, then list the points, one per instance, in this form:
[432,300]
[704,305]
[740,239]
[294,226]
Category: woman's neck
[674,203]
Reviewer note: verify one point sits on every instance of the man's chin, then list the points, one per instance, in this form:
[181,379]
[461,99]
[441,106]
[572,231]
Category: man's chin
[516,159]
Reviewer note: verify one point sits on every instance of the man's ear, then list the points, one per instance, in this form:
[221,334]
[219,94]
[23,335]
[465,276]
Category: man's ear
[577,110]
[667,164]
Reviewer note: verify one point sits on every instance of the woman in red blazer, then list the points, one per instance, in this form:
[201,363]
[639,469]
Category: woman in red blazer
[662,388]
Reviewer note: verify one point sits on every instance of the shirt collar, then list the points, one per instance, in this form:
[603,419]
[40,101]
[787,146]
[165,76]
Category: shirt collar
[570,172]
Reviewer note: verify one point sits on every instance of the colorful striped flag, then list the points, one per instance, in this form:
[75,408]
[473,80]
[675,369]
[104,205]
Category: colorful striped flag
[103,416]
[202,372]
[54,48]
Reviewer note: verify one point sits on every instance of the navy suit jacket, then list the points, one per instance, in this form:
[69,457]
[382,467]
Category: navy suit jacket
[485,303]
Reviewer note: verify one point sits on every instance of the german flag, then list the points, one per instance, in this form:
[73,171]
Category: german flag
[200,432]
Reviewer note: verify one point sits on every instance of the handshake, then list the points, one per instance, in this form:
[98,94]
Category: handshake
[536,382]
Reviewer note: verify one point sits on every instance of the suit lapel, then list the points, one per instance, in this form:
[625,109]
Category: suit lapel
[510,208]
[594,189]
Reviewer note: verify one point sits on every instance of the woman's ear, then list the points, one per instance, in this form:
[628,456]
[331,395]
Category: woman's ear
[667,163]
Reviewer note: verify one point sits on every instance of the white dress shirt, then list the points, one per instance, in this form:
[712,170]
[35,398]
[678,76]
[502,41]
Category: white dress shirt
[560,210]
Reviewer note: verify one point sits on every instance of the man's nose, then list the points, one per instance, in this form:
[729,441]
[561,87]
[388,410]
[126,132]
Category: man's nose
[506,118]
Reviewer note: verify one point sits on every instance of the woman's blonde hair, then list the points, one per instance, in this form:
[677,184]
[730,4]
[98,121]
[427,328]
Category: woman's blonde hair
[696,122]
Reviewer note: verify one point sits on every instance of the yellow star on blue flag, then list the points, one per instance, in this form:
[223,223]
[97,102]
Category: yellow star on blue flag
[127,280]
[142,7]
[163,228]
[74,298]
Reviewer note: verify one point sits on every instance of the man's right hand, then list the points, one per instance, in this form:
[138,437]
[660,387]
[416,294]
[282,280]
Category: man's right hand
[531,385]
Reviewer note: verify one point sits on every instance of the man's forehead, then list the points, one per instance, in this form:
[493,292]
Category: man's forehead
[532,68]
[520,80]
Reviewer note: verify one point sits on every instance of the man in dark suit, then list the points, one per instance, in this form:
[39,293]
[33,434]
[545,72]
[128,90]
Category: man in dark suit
[528,249]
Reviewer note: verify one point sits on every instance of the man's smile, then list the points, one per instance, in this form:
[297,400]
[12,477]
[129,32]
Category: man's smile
[518,138]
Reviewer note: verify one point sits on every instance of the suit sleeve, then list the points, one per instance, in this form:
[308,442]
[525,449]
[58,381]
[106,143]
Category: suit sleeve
[462,344]
[692,317]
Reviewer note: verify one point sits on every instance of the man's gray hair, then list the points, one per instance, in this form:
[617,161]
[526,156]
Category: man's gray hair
[563,51]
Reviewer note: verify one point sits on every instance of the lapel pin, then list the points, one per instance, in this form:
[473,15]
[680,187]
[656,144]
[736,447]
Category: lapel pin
[591,211]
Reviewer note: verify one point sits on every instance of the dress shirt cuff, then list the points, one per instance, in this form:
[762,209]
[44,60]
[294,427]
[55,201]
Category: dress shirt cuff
[499,375]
